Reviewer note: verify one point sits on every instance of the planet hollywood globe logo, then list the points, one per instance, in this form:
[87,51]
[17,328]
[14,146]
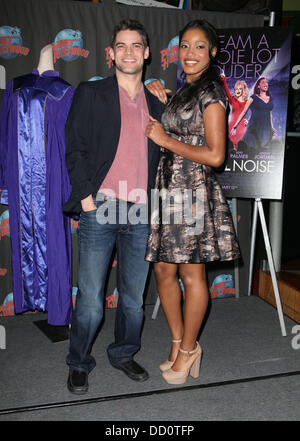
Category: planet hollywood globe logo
[169,55]
[11,43]
[95,78]
[222,286]
[173,48]
[7,308]
[68,45]
[155,79]
[4,224]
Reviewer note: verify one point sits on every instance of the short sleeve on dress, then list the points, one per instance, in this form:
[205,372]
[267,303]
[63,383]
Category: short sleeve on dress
[213,94]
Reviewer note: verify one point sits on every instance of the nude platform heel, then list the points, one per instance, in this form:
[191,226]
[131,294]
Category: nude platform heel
[165,365]
[173,377]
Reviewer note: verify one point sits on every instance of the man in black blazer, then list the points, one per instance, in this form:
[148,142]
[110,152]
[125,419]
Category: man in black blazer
[110,162]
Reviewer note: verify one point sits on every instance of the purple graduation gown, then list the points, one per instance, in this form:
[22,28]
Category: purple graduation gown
[36,185]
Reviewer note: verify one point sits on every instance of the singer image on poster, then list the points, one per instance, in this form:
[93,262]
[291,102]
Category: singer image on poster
[237,102]
[260,130]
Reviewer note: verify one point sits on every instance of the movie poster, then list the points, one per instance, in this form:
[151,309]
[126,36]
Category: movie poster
[254,65]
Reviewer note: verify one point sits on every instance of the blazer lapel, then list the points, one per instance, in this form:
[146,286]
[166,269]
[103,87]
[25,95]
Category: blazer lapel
[151,145]
[111,95]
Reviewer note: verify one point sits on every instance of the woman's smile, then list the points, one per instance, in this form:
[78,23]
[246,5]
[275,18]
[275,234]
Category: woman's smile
[194,54]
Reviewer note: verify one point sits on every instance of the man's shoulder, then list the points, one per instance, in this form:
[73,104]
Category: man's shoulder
[102,84]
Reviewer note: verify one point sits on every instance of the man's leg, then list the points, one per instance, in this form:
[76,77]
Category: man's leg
[132,271]
[95,243]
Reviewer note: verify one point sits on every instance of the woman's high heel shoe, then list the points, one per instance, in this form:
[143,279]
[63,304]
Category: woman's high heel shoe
[165,365]
[193,368]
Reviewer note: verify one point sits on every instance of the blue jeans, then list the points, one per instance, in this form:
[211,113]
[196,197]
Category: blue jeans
[96,242]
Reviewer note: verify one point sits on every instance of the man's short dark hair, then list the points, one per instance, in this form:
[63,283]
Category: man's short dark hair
[130,25]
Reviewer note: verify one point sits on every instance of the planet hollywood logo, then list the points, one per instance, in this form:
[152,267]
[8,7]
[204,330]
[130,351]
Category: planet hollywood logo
[74,295]
[11,43]
[73,226]
[222,286]
[108,59]
[170,54]
[4,224]
[95,78]
[112,300]
[68,45]
[7,308]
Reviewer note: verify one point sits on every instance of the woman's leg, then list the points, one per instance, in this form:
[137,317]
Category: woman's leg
[193,277]
[170,296]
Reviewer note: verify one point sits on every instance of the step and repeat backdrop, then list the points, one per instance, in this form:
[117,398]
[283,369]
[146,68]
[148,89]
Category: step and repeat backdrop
[80,35]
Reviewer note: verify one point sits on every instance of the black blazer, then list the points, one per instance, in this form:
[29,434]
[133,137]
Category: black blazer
[92,136]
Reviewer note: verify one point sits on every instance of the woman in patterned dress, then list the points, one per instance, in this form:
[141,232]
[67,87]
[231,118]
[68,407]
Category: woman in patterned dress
[192,223]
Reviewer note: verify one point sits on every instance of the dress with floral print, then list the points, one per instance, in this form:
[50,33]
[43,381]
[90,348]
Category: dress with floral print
[190,220]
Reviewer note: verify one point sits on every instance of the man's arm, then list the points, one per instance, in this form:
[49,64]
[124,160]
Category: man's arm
[78,138]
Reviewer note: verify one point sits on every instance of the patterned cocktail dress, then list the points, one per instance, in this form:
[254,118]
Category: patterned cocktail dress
[191,220]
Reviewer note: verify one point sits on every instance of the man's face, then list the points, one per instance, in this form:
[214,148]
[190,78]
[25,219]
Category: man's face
[129,52]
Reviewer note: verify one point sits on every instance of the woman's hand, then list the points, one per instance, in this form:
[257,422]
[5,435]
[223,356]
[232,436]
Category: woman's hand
[155,132]
[157,89]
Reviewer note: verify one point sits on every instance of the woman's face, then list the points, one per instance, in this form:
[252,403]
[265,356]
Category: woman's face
[194,53]
[238,91]
[263,85]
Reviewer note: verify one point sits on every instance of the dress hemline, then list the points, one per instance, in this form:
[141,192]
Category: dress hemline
[229,259]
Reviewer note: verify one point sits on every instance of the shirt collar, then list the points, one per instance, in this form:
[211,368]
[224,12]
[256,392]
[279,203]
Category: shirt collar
[125,93]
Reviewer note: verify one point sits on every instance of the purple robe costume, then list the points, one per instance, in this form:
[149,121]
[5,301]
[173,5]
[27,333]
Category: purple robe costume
[36,184]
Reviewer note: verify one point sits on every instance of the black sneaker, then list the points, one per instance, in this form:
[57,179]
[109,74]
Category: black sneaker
[78,382]
[133,370]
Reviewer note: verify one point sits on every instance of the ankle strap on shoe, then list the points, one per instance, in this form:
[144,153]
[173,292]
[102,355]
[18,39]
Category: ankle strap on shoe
[190,352]
[176,341]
